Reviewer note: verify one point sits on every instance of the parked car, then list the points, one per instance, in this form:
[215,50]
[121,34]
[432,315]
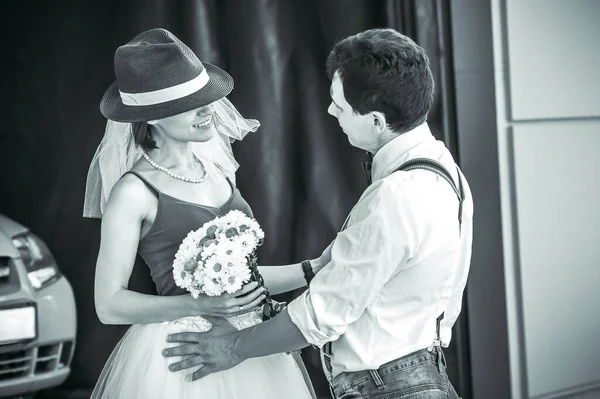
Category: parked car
[37,314]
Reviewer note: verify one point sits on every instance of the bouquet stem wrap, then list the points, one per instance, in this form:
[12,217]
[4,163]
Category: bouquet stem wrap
[271,307]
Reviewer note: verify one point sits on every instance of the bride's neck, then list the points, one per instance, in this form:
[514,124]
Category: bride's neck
[173,154]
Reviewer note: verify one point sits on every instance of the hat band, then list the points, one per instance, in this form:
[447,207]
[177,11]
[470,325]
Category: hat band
[166,94]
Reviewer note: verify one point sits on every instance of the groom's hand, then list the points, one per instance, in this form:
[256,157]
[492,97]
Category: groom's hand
[213,350]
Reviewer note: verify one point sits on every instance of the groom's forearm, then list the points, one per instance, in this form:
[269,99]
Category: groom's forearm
[285,278]
[280,279]
[277,335]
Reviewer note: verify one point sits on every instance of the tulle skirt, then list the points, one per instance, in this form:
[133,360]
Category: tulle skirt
[137,370]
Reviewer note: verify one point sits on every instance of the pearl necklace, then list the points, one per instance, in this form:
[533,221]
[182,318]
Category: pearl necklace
[175,175]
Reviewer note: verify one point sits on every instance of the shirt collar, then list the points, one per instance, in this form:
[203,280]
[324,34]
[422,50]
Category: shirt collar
[396,152]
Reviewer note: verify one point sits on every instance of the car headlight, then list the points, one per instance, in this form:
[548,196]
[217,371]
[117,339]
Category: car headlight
[39,262]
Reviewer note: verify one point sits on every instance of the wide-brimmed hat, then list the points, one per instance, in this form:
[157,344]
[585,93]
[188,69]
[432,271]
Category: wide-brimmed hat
[158,76]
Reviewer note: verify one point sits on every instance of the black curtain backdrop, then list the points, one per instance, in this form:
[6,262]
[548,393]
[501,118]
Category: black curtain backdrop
[298,172]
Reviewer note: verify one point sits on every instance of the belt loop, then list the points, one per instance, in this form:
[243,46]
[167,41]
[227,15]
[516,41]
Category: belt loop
[377,379]
[326,363]
[441,359]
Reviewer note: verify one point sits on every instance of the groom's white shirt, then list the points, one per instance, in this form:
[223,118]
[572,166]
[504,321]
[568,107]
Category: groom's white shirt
[399,263]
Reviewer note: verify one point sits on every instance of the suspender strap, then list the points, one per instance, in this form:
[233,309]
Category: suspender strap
[437,168]
[437,327]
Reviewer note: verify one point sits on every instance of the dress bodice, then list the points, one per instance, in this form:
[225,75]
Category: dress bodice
[175,218]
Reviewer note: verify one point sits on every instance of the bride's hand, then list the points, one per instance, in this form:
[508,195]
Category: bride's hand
[226,305]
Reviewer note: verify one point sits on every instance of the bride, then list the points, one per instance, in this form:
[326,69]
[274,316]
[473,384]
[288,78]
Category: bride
[164,168]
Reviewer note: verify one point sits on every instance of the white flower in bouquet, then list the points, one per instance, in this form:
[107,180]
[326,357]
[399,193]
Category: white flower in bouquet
[235,279]
[199,276]
[214,259]
[236,217]
[183,278]
[212,287]
[247,242]
[208,251]
[229,250]
[214,268]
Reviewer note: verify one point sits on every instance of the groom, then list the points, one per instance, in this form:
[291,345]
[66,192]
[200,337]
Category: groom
[386,300]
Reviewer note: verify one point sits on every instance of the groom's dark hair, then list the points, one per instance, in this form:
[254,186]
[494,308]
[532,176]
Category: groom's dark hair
[386,71]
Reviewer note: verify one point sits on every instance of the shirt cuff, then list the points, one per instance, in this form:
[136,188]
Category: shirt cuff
[302,315]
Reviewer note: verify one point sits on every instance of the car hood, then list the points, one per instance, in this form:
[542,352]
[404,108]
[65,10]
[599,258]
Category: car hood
[10,227]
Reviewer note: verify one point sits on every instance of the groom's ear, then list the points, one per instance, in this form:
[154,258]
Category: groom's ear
[378,122]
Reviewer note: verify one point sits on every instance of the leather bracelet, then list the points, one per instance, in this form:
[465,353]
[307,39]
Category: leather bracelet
[308,271]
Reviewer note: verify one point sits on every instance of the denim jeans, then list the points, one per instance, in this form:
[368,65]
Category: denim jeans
[421,374]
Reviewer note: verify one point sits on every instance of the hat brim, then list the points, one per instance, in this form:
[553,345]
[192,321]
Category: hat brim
[219,85]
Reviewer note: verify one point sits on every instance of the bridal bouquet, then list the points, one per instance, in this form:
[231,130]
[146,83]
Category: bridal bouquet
[221,257]
[215,258]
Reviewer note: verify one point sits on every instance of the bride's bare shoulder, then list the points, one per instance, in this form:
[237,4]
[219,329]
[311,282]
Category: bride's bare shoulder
[130,194]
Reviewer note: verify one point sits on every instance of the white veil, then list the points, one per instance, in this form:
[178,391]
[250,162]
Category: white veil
[117,153]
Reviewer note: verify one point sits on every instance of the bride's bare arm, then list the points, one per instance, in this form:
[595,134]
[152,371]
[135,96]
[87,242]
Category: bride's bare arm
[115,304]
[284,278]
